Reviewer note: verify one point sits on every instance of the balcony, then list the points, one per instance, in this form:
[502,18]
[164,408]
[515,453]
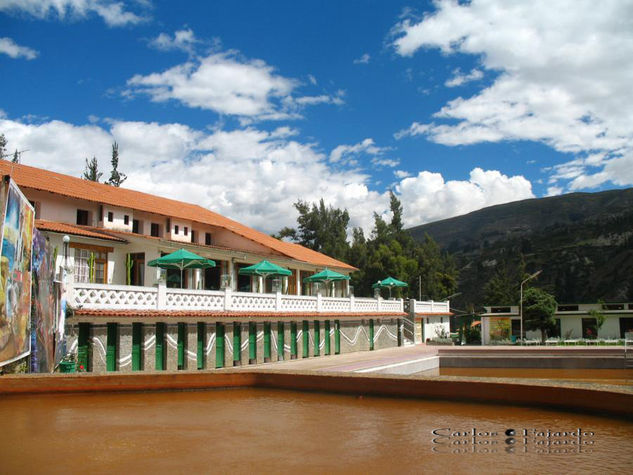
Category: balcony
[430,307]
[126,297]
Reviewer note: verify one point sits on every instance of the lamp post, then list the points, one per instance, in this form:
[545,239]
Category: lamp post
[530,277]
[66,240]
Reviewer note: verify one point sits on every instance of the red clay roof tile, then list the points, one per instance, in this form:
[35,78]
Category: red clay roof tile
[40,179]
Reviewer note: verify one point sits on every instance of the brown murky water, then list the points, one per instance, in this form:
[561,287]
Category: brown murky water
[259,431]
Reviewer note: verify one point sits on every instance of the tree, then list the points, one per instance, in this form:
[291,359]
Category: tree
[3,146]
[321,228]
[539,308]
[92,172]
[116,177]
[16,157]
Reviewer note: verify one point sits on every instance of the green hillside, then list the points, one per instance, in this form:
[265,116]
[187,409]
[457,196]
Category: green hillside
[583,242]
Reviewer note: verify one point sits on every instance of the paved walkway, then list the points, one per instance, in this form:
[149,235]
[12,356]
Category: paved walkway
[357,361]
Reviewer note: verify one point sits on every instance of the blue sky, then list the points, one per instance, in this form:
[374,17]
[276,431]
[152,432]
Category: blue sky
[246,107]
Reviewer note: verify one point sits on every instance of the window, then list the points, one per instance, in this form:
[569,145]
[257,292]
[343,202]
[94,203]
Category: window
[207,239]
[84,255]
[176,229]
[136,226]
[126,220]
[36,207]
[193,236]
[155,231]
[110,216]
[589,328]
[82,217]
[186,231]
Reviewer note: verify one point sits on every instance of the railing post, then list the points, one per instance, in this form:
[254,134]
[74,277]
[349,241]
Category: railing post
[319,302]
[352,303]
[161,298]
[402,305]
[379,303]
[278,301]
[227,298]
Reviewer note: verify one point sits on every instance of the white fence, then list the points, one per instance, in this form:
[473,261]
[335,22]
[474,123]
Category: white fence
[431,307]
[125,297]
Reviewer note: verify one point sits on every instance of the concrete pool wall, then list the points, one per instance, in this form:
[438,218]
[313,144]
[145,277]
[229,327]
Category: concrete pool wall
[607,400]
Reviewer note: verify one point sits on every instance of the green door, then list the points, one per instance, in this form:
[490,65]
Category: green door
[371,334]
[160,346]
[280,341]
[267,342]
[201,340]
[83,346]
[137,346]
[293,340]
[219,345]
[111,344]
[337,337]
[237,344]
[317,338]
[252,343]
[306,339]
[326,335]
[182,335]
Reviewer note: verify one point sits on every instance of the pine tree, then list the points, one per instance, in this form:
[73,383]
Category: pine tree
[3,145]
[116,177]
[92,172]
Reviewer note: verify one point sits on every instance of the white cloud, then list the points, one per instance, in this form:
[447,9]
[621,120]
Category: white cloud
[250,175]
[428,197]
[183,40]
[343,153]
[554,191]
[563,78]
[459,78]
[228,84]
[14,50]
[364,59]
[385,162]
[401,174]
[113,12]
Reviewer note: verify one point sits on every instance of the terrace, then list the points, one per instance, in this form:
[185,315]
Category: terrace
[91,296]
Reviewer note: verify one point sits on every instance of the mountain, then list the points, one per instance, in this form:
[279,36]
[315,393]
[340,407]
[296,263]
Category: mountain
[583,243]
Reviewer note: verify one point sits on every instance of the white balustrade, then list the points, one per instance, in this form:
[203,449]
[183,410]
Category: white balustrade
[432,307]
[104,296]
[126,297]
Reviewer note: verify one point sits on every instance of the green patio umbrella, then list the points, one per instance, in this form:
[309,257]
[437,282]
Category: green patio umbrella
[180,260]
[389,283]
[264,269]
[326,276]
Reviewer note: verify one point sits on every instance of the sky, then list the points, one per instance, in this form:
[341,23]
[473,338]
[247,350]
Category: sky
[246,107]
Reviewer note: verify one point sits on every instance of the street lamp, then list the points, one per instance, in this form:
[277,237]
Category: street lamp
[530,277]
[66,240]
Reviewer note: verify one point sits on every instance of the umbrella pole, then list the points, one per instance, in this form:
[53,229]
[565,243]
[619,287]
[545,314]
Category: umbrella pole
[181,277]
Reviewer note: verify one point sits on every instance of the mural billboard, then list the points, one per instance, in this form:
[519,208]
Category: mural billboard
[15,273]
[43,306]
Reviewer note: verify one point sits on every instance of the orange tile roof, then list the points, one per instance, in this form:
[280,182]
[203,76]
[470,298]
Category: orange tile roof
[75,230]
[44,180]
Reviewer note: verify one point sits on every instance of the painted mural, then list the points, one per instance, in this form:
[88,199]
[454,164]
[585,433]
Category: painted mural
[43,306]
[15,275]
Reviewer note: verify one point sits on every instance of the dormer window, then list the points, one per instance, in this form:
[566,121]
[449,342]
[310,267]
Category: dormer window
[176,229]
[126,220]
[82,217]
[186,230]
[110,216]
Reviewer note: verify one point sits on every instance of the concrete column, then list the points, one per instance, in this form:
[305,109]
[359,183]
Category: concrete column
[124,351]
[298,280]
[171,346]
[98,340]
[191,347]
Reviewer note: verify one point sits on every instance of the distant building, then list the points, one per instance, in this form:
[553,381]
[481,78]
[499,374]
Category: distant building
[573,322]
